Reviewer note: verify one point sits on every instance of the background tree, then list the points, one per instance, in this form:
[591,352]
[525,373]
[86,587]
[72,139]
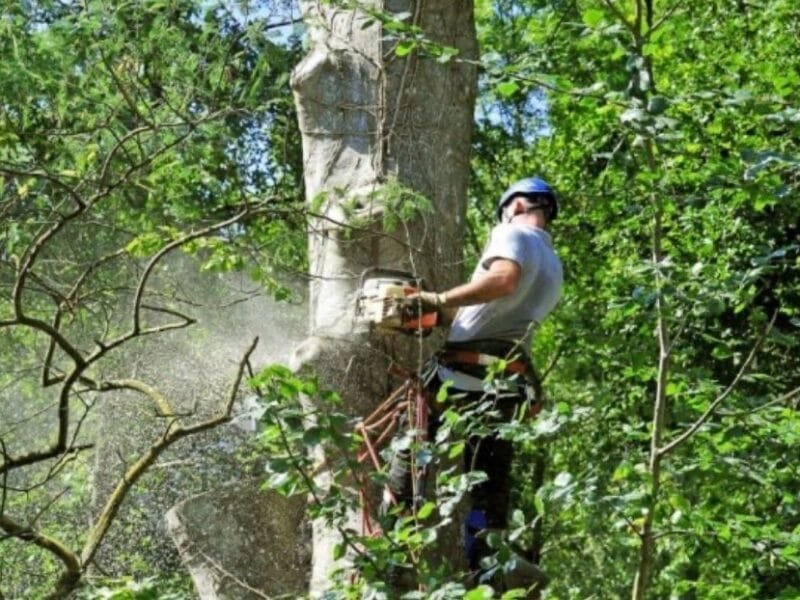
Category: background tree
[669,132]
[129,132]
[669,128]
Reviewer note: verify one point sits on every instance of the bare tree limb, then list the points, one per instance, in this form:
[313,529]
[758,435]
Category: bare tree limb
[647,548]
[71,561]
[73,292]
[795,393]
[139,295]
[4,488]
[133,473]
[664,450]
[12,463]
[161,403]
[170,311]
[47,363]
[19,285]
[63,460]
[68,301]
[136,328]
[60,446]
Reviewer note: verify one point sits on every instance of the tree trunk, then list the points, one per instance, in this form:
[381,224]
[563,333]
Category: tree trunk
[367,118]
[234,541]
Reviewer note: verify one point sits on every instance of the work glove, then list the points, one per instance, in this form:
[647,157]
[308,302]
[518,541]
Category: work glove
[424,302]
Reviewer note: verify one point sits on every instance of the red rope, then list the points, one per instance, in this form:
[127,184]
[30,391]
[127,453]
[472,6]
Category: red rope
[378,428]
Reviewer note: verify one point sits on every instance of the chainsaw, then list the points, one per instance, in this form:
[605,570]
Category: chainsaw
[380,303]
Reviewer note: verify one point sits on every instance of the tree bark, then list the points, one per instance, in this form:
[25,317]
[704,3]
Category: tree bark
[368,117]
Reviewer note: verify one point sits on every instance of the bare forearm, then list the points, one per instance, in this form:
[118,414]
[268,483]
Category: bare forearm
[490,287]
[500,280]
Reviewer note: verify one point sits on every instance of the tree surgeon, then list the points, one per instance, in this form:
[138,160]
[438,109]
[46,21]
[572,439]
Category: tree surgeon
[516,284]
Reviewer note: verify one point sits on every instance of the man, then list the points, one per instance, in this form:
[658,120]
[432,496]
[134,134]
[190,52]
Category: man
[516,284]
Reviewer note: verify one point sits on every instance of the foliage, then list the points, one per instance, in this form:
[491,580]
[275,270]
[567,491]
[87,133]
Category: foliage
[669,133]
[128,132]
[671,130]
[129,589]
[396,553]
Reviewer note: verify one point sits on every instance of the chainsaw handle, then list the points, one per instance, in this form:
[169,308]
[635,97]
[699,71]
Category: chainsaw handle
[378,271]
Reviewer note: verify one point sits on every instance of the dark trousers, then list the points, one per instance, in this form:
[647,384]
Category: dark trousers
[487,453]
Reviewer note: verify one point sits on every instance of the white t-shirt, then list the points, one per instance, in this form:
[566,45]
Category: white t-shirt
[513,317]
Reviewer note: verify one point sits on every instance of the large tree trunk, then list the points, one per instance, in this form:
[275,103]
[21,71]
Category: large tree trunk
[368,117]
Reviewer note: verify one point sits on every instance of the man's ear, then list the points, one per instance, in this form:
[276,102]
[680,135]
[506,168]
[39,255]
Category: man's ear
[510,210]
[517,206]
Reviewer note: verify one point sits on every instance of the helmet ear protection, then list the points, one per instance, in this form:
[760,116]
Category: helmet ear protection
[536,191]
[533,202]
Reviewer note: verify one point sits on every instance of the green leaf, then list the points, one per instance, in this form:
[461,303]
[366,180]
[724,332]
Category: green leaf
[339,551]
[593,16]
[426,510]
[456,450]
[404,47]
[482,592]
[446,54]
[507,88]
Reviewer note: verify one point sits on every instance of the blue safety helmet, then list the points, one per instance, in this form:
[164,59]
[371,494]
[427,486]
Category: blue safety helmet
[534,189]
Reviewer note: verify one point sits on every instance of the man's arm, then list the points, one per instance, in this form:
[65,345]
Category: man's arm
[500,280]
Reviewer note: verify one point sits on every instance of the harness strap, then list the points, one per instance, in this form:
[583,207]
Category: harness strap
[472,357]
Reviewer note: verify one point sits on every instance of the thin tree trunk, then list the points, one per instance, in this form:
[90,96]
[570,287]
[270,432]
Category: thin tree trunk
[647,550]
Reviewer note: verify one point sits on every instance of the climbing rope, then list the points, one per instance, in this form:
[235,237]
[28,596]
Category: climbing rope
[409,400]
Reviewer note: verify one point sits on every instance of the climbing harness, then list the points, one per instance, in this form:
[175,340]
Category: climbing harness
[523,369]
[410,405]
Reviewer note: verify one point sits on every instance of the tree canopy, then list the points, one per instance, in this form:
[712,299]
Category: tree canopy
[670,130]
